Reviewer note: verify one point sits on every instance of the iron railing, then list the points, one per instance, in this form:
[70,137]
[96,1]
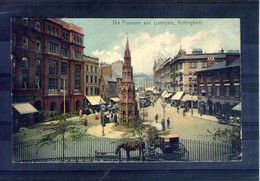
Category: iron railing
[103,149]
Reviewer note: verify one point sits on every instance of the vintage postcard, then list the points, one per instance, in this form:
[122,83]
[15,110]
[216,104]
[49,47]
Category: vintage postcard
[126,90]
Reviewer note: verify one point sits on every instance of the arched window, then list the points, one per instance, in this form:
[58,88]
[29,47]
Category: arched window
[190,88]
[53,106]
[24,42]
[181,87]
[181,76]
[190,76]
[38,46]
[37,74]
[195,88]
[37,26]
[24,71]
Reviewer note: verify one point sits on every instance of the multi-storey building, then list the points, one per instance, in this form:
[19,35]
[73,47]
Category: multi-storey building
[117,67]
[118,80]
[91,77]
[47,63]
[179,73]
[143,81]
[219,86]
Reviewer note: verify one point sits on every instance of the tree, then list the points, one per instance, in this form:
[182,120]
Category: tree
[153,136]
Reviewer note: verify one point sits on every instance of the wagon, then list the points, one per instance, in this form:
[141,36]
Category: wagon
[171,149]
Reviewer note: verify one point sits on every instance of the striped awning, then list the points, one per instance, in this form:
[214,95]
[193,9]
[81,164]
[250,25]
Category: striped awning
[177,96]
[115,99]
[187,97]
[94,100]
[24,108]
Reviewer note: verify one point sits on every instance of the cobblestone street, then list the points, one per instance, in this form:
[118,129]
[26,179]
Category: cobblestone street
[187,127]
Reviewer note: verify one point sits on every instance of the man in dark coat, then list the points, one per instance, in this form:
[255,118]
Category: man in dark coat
[163,124]
[156,117]
[168,122]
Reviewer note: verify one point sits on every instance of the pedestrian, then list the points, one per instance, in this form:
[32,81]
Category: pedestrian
[183,112]
[156,117]
[163,124]
[178,110]
[111,115]
[115,119]
[85,122]
[168,122]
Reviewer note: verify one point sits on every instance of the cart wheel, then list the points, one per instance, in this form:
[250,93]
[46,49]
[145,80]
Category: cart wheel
[150,154]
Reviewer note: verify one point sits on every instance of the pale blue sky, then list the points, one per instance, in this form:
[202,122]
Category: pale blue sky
[106,40]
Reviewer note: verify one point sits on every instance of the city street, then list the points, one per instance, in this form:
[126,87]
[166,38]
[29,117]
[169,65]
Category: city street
[188,127]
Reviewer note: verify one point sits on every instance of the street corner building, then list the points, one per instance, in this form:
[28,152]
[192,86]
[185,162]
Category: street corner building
[47,63]
[128,107]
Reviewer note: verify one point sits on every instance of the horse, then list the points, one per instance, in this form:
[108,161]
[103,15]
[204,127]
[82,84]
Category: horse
[131,146]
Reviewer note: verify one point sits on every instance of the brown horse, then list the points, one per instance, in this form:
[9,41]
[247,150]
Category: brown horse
[131,146]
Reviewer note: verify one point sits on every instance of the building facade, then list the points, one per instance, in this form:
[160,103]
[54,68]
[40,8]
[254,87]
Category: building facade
[117,67]
[47,63]
[128,105]
[91,76]
[178,74]
[219,86]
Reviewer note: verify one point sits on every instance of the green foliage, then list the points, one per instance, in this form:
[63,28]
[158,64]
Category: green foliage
[44,115]
[153,136]
[229,135]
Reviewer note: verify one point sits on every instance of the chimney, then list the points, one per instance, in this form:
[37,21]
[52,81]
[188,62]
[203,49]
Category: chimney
[211,61]
[231,57]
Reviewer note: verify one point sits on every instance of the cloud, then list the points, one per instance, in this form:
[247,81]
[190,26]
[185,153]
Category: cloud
[146,48]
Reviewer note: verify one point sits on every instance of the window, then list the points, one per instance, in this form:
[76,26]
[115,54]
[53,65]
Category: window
[181,77]
[86,91]
[209,90]
[204,65]
[53,68]
[62,88]
[52,48]
[86,68]
[86,78]
[227,76]
[38,46]
[91,68]
[24,21]
[237,76]
[227,93]
[180,66]
[91,91]
[195,77]
[24,42]
[96,91]
[95,69]
[77,54]
[24,72]
[201,89]
[64,52]
[104,88]
[77,71]
[49,29]
[190,64]
[195,88]
[237,90]
[95,79]
[52,85]
[190,88]
[190,76]
[37,26]
[91,79]
[56,32]
[77,86]
[217,77]
[181,87]
[63,35]
[74,39]
[64,68]
[67,36]
[201,79]
[52,30]
[208,78]
[37,74]
[217,90]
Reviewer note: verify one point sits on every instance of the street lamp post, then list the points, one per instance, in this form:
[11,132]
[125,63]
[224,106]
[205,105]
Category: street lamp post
[143,102]
[164,106]
[102,108]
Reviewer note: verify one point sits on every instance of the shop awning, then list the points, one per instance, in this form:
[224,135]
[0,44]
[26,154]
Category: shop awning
[177,96]
[94,100]
[167,95]
[115,99]
[156,92]
[24,108]
[148,89]
[187,97]
[164,93]
[237,107]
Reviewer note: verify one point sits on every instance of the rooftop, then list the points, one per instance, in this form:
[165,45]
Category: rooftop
[108,79]
[116,75]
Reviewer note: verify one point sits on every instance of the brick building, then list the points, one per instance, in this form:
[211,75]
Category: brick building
[219,86]
[47,60]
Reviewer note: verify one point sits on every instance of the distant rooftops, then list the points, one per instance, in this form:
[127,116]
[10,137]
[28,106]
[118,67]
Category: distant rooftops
[108,79]
[116,75]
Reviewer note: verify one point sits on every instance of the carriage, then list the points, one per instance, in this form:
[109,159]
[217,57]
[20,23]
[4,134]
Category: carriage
[168,148]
